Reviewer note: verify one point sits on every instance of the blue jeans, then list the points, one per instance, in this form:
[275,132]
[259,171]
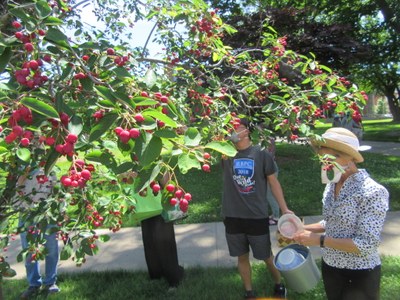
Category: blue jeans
[33,267]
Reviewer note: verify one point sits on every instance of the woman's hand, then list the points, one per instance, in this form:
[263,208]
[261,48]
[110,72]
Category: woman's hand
[307,238]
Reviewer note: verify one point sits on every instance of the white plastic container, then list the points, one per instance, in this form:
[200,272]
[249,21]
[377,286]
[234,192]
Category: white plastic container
[289,225]
[289,259]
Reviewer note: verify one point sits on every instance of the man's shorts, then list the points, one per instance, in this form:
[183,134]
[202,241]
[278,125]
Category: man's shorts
[243,234]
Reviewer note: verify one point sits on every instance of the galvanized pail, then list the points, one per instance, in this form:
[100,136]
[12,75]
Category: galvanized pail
[303,277]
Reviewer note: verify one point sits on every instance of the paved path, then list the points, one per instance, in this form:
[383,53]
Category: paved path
[198,245]
[386,148]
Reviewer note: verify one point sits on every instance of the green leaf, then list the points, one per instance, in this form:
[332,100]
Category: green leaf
[146,177]
[150,78]
[106,93]
[90,45]
[24,154]
[87,84]
[20,13]
[143,101]
[99,156]
[51,160]
[222,147]
[104,238]
[160,116]
[124,167]
[124,97]
[3,150]
[187,162]
[102,126]
[151,152]
[52,21]
[192,137]
[56,51]
[40,107]
[66,252]
[55,36]
[75,125]
[110,145]
[122,73]
[5,58]
[166,134]
[43,9]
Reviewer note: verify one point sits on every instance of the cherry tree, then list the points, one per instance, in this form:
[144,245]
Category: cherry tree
[109,121]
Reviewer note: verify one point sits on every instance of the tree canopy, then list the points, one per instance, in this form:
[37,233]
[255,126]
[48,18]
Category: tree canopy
[109,121]
[358,39]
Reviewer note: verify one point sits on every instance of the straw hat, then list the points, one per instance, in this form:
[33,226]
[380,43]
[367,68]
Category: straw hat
[340,139]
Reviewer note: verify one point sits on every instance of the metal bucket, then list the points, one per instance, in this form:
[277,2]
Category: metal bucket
[304,276]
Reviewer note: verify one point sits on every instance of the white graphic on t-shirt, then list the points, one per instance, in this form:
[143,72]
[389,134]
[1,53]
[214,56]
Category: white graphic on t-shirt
[243,172]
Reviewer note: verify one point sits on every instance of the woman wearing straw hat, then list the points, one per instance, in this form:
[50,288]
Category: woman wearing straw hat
[354,210]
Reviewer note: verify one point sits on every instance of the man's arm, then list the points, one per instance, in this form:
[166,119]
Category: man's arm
[276,190]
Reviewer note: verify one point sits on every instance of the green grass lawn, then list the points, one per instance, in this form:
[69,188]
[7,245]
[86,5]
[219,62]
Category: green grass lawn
[198,284]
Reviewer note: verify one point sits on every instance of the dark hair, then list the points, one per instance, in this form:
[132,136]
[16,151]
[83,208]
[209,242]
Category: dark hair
[246,122]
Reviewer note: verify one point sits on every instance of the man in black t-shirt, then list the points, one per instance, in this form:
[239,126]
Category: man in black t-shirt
[245,207]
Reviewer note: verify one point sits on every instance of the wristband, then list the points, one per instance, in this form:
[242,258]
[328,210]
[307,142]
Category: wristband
[322,241]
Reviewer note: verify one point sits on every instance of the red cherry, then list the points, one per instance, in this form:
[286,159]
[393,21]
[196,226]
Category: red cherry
[17,130]
[206,155]
[110,51]
[33,64]
[164,99]
[170,187]
[86,174]
[156,188]
[206,168]
[71,138]
[125,136]
[19,35]
[16,24]
[118,130]
[178,193]
[28,47]
[50,141]
[187,197]
[134,133]
[25,142]
[139,118]
[173,201]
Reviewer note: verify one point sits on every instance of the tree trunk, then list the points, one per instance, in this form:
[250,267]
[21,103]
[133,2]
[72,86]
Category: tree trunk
[393,102]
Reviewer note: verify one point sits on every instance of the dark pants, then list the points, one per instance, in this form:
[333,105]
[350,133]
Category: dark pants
[160,250]
[344,284]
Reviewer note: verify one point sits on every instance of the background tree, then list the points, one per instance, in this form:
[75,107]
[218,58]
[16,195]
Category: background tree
[359,39]
[87,98]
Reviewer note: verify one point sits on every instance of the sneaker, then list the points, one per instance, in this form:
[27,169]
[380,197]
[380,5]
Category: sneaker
[51,289]
[30,292]
[280,291]
[249,295]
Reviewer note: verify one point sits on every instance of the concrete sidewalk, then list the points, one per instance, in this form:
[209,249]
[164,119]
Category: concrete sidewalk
[198,245]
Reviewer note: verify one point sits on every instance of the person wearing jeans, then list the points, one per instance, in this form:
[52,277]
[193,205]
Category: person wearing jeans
[32,187]
[32,267]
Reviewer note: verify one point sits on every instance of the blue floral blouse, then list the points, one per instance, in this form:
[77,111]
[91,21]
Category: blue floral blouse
[358,213]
